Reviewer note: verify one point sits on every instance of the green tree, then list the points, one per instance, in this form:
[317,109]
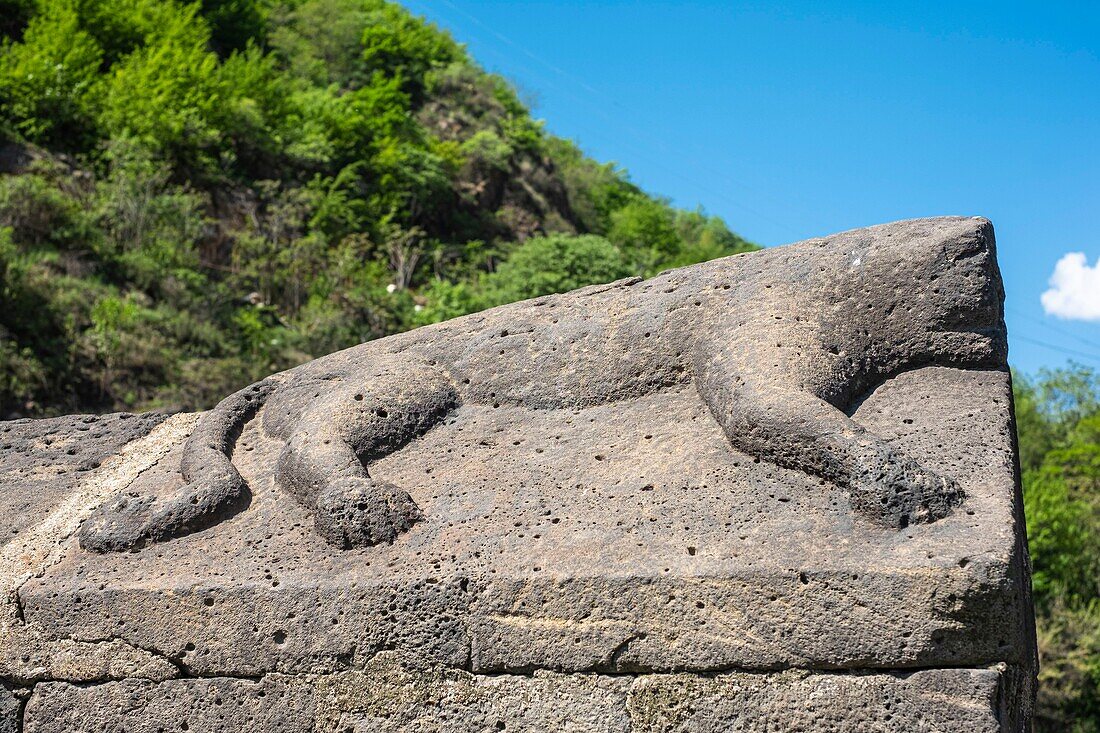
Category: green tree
[555,264]
[234,24]
[151,228]
[704,238]
[169,95]
[49,83]
[1058,423]
[647,229]
[321,41]
[399,45]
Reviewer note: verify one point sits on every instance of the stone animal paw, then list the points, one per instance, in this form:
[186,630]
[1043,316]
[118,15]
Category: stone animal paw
[356,512]
[896,491]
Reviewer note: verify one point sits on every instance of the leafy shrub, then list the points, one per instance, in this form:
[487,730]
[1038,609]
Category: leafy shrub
[1058,422]
[40,213]
[555,264]
[49,83]
[647,229]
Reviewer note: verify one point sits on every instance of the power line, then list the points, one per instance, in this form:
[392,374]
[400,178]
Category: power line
[601,109]
[579,82]
[1055,329]
[1055,347]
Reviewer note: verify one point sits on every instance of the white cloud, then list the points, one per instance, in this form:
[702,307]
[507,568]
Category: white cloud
[1074,289]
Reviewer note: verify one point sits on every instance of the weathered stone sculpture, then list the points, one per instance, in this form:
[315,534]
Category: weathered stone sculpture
[777,345]
[791,470]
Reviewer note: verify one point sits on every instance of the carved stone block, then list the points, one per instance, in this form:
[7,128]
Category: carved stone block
[777,490]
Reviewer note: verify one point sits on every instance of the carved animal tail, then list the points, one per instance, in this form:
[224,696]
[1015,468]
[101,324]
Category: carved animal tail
[213,483]
[212,479]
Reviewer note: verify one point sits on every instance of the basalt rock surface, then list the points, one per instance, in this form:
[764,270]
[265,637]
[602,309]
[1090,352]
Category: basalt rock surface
[776,491]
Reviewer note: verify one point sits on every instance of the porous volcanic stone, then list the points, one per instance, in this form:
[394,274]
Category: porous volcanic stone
[619,538]
[41,461]
[929,700]
[777,346]
[389,697]
[10,710]
[775,480]
[273,704]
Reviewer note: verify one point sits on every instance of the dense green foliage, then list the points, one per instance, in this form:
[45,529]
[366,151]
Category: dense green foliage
[1058,420]
[193,195]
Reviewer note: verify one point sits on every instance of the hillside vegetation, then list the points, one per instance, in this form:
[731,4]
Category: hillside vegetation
[1058,421]
[195,195]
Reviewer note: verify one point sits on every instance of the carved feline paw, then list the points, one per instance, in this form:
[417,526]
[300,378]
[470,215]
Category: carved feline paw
[361,513]
[896,491]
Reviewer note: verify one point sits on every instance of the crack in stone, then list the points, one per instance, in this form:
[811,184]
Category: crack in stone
[37,549]
[183,672]
[26,652]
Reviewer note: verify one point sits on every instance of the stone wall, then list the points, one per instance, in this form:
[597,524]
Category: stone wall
[386,696]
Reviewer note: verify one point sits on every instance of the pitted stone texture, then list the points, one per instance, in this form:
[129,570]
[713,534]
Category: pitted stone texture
[583,521]
[619,538]
[273,704]
[391,697]
[42,461]
[27,655]
[940,701]
[28,652]
[383,699]
[776,344]
[10,710]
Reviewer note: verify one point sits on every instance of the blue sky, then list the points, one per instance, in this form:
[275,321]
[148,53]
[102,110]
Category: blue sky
[793,120]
